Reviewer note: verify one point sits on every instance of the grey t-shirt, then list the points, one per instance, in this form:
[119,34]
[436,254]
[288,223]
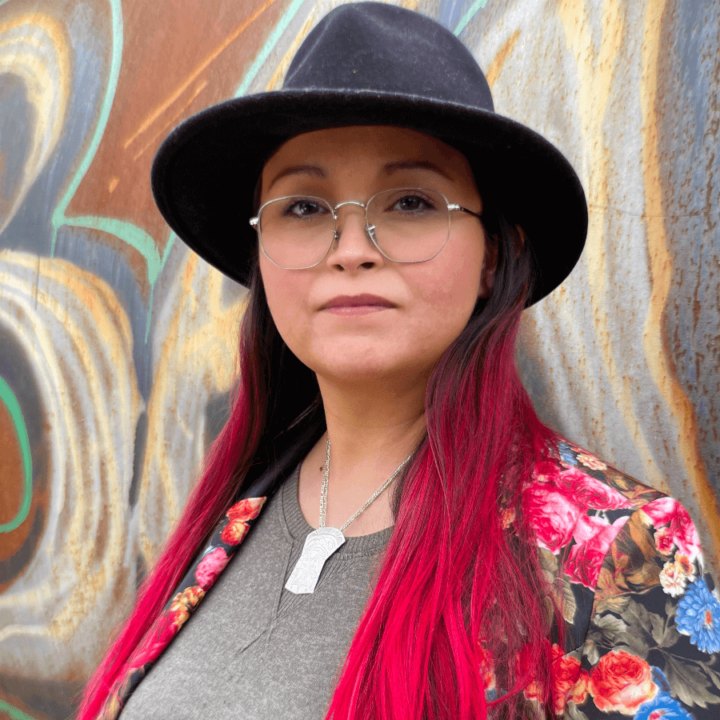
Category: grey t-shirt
[254,650]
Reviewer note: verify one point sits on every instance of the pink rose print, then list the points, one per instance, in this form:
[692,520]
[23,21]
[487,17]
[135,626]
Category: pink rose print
[590,493]
[661,511]
[664,540]
[570,682]
[593,537]
[210,567]
[621,682]
[239,514]
[668,511]
[246,510]
[234,532]
[552,515]
[546,471]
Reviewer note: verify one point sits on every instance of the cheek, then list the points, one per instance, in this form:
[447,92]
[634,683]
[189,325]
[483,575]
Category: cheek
[285,293]
[450,289]
[447,304]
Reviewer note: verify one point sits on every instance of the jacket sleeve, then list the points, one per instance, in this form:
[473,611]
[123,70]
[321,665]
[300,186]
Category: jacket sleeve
[652,649]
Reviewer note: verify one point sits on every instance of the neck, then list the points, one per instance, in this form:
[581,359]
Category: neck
[372,423]
[373,427]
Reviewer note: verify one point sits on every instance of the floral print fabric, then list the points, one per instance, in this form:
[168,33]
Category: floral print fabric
[642,620]
[201,576]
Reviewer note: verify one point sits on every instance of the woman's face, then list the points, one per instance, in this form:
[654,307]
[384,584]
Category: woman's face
[423,306]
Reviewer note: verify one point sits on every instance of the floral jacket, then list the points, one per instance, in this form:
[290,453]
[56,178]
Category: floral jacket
[642,620]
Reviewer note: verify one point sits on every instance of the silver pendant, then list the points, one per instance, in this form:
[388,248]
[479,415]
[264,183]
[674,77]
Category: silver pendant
[319,545]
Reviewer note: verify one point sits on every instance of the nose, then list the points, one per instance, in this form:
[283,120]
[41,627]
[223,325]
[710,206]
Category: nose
[353,247]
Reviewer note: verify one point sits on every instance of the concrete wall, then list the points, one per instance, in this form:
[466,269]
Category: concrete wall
[117,344]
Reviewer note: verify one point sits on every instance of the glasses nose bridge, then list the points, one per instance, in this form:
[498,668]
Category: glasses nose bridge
[337,217]
[349,202]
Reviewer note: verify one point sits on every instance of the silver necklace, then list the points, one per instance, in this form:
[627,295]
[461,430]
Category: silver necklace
[320,544]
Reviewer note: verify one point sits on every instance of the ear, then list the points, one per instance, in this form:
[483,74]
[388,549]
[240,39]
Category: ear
[487,272]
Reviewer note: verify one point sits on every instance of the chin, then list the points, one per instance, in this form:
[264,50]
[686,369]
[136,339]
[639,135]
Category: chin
[364,366]
[353,371]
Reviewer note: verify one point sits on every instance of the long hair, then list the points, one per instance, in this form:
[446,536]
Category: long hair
[458,587]
[460,605]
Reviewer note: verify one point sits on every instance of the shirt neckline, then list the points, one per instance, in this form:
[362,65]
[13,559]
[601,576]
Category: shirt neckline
[298,527]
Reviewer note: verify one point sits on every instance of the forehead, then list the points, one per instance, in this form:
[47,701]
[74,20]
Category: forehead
[369,150]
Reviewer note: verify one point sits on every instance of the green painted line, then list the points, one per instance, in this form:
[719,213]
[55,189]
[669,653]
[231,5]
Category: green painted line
[269,46]
[7,396]
[125,231]
[13,712]
[128,233]
[58,217]
[168,248]
[469,15]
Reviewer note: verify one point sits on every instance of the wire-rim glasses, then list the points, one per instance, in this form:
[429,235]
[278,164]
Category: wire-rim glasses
[406,225]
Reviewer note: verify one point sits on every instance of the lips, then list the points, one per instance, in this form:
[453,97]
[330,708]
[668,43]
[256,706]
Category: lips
[356,301]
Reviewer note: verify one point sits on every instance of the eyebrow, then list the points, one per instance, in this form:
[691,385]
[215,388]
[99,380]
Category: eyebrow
[388,169]
[312,170]
[398,165]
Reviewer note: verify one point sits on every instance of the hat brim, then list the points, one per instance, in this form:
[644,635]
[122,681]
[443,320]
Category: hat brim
[204,173]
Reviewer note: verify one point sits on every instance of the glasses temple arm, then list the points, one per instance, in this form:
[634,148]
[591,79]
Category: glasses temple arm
[455,206]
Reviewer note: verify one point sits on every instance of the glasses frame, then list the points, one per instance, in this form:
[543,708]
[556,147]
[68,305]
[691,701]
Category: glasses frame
[369,229]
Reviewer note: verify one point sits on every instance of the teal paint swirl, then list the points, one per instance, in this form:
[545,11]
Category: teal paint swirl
[11,711]
[8,398]
[269,46]
[58,217]
[469,15]
[127,232]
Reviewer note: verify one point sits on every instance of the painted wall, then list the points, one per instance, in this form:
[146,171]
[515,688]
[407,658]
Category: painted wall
[117,344]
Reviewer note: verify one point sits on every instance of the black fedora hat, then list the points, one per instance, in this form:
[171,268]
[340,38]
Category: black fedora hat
[367,63]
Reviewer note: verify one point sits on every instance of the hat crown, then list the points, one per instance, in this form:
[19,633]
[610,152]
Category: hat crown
[376,47]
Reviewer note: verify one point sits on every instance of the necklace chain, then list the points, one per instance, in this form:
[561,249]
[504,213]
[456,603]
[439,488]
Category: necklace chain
[373,497]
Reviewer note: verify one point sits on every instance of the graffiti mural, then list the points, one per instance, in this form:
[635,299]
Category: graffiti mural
[117,345]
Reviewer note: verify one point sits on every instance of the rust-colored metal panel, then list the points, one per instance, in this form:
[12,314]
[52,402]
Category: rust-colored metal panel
[117,345]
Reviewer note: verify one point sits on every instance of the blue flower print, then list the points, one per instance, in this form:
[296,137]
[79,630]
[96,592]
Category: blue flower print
[698,615]
[566,454]
[662,707]
[659,679]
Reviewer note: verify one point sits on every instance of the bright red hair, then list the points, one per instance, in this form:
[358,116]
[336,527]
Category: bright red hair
[457,586]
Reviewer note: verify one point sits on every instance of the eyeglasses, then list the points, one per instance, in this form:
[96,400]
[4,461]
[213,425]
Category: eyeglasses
[407,225]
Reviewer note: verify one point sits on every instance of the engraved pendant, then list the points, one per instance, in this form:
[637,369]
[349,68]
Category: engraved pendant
[319,545]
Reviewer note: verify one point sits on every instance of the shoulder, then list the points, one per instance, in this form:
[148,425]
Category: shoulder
[590,482]
[577,504]
[641,614]
[613,533]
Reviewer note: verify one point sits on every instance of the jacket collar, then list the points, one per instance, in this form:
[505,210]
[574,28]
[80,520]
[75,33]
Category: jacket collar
[226,538]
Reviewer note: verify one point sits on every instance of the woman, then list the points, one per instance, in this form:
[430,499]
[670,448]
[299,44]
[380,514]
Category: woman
[424,547]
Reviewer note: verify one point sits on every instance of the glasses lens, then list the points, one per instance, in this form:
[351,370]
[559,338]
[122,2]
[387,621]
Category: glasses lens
[411,224]
[297,231]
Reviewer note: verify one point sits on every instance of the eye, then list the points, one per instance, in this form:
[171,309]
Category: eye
[413,203]
[304,208]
